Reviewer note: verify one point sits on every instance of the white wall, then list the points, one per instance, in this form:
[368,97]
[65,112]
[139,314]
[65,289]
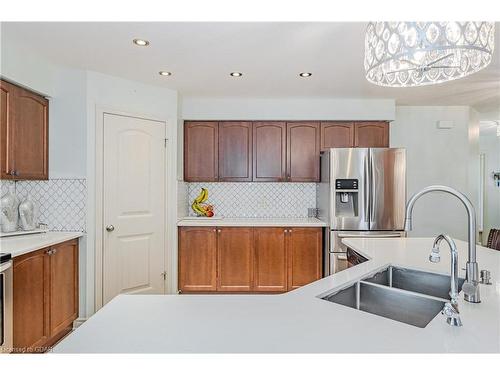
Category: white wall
[116,94]
[438,156]
[287,109]
[490,147]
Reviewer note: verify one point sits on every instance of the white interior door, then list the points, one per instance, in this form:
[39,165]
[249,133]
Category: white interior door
[133,206]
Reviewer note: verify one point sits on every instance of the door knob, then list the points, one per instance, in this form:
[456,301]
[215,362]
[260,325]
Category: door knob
[110,228]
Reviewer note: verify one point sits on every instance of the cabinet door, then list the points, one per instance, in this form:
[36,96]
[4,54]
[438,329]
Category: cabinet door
[63,294]
[197,259]
[270,260]
[235,151]
[304,247]
[336,134]
[303,143]
[28,135]
[31,300]
[6,94]
[269,151]
[371,134]
[235,259]
[201,154]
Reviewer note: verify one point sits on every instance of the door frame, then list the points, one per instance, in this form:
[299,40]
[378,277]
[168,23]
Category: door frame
[170,216]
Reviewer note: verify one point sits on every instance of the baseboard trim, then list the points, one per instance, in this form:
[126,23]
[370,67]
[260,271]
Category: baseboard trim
[78,322]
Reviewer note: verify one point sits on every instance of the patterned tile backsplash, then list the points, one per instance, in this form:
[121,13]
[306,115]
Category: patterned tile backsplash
[61,203]
[265,200]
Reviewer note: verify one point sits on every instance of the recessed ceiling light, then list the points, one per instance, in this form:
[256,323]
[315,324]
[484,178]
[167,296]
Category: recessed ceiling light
[163,73]
[305,74]
[236,74]
[141,42]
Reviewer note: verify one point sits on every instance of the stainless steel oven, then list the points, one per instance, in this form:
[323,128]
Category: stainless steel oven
[5,303]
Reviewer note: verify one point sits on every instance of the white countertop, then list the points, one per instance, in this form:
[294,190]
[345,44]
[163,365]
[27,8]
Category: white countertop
[251,222]
[297,321]
[19,245]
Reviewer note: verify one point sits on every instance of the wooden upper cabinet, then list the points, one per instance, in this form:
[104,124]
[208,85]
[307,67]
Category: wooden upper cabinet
[371,134]
[269,151]
[303,148]
[235,151]
[5,116]
[270,273]
[197,259]
[304,247]
[235,259]
[31,295]
[201,151]
[336,134]
[63,293]
[24,130]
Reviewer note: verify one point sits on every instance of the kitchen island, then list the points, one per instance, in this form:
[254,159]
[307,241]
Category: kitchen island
[297,321]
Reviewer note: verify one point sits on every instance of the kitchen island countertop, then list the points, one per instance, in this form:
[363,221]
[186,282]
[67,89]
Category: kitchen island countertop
[297,321]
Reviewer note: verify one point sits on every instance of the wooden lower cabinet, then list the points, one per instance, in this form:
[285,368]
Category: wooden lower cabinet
[197,259]
[63,292]
[45,296]
[235,259]
[31,306]
[304,256]
[248,259]
[270,260]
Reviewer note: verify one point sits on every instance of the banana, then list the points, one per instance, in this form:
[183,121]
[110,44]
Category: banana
[202,197]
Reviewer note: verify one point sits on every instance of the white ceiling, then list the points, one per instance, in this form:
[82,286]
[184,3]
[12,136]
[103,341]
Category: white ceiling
[201,56]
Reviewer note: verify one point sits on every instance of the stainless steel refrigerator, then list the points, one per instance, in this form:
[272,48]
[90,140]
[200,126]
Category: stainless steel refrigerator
[362,193]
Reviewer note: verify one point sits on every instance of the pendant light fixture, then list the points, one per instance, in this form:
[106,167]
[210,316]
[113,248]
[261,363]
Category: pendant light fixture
[405,54]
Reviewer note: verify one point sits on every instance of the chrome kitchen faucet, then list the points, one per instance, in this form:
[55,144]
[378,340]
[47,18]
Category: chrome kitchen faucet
[471,286]
[450,309]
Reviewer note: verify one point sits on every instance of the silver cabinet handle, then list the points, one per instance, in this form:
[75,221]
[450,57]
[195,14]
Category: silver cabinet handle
[110,228]
[218,230]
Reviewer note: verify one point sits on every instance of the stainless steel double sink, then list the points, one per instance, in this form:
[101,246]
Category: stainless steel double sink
[406,295]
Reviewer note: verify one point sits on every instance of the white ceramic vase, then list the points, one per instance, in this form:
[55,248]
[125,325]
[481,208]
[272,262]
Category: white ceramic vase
[9,216]
[27,214]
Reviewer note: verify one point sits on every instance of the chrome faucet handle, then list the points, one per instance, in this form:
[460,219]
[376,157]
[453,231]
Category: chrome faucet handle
[435,256]
[450,311]
[485,277]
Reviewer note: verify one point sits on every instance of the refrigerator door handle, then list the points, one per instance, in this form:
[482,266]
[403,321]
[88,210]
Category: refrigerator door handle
[373,193]
[366,189]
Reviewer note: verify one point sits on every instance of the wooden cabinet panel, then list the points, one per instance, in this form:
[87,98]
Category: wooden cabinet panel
[5,118]
[201,153]
[63,294]
[371,134]
[31,296]
[197,259]
[269,151]
[337,134]
[235,151]
[270,260]
[303,143]
[24,129]
[304,247]
[29,140]
[235,259]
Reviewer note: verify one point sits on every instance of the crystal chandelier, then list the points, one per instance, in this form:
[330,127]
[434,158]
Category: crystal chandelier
[405,54]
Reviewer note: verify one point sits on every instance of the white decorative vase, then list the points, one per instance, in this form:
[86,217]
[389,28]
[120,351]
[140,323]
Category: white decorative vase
[27,214]
[8,212]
